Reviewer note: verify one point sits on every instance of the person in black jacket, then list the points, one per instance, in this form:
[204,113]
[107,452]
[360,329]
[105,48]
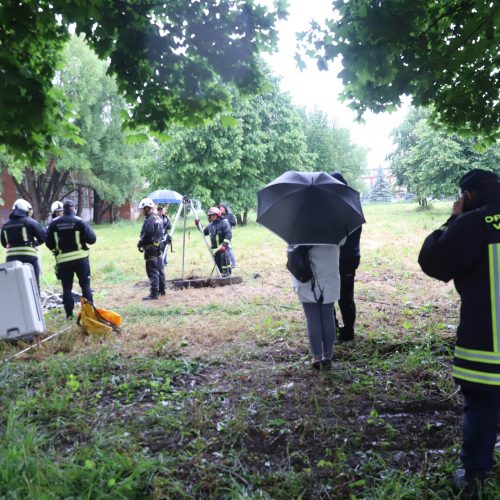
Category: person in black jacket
[21,235]
[350,256]
[467,249]
[225,213]
[166,240]
[220,233]
[68,237]
[150,243]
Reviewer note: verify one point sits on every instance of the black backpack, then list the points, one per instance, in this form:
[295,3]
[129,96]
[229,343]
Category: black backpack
[299,263]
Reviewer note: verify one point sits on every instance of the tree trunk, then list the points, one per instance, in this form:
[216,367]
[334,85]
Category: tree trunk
[40,189]
[245,218]
[79,208]
[239,219]
[98,203]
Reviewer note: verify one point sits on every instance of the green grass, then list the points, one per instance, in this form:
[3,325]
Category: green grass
[209,392]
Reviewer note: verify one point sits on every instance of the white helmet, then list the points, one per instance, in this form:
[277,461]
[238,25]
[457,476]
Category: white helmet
[146,202]
[57,205]
[22,205]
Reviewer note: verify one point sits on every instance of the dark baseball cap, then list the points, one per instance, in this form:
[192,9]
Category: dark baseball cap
[476,179]
[68,203]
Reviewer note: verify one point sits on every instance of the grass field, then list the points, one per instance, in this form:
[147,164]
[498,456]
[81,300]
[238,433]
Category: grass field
[209,393]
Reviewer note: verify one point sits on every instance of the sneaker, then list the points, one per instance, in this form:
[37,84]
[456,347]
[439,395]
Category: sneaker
[468,485]
[345,335]
[316,364]
[326,364]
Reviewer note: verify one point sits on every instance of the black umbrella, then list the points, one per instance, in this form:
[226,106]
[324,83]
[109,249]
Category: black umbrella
[309,208]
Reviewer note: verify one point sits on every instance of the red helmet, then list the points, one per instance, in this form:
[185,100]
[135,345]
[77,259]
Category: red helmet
[213,211]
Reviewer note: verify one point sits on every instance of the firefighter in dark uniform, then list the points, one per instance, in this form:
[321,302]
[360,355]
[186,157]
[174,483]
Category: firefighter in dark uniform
[68,237]
[21,235]
[150,244]
[56,209]
[349,259]
[167,240]
[219,230]
[467,250]
[225,213]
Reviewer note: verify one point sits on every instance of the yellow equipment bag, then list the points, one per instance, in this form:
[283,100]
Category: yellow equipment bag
[98,321]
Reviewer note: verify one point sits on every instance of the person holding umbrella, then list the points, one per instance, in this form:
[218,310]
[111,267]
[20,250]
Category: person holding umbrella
[282,209]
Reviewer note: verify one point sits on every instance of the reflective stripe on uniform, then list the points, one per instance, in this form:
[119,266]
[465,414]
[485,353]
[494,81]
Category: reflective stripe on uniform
[476,376]
[21,251]
[494,262]
[480,356]
[66,257]
[56,242]
[25,234]
[77,239]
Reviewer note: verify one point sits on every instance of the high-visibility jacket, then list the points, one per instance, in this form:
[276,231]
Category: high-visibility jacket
[467,250]
[68,237]
[21,235]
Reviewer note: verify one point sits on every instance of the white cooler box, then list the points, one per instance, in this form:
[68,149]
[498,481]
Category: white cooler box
[20,309]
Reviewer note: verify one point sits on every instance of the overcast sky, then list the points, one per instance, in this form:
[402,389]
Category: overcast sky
[316,89]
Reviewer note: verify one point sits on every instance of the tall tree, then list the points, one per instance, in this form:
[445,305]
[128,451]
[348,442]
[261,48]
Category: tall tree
[231,158]
[443,53]
[100,159]
[430,163]
[174,61]
[330,148]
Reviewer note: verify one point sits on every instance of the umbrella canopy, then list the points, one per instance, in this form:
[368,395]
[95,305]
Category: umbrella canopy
[309,208]
[165,196]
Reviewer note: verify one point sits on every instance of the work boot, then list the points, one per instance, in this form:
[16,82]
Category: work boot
[468,485]
[152,296]
[345,334]
[162,290]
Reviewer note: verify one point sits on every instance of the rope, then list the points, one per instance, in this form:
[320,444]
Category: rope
[36,345]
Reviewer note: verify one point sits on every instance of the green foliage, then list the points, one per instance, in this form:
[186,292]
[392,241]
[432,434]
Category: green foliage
[441,53]
[329,148]
[229,160]
[100,158]
[174,61]
[429,163]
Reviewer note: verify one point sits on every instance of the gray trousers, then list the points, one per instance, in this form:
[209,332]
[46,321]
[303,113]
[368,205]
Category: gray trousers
[321,328]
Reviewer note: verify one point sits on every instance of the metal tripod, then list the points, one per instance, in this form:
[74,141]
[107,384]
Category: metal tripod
[186,202]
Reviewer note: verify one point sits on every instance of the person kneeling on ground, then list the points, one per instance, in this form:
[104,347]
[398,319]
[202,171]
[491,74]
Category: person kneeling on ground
[150,244]
[220,233]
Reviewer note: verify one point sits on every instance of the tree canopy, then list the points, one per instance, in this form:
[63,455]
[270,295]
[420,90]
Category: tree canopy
[330,148]
[235,155]
[100,159]
[430,163]
[441,53]
[174,61]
